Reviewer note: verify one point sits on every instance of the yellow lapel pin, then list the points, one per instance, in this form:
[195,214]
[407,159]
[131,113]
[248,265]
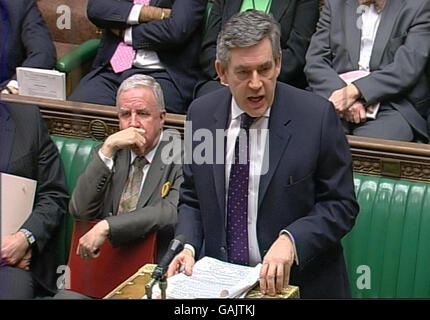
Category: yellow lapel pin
[165,189]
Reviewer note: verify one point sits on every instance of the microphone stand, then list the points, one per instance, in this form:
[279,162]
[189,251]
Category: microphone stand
[162,284]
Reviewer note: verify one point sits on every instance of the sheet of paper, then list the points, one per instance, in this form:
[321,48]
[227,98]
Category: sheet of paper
[349,77]
[17,198]
[41,83]
[211,278]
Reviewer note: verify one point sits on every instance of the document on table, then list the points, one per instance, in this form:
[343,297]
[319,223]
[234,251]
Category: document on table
[349,77]
[41,83]
[211,278]
[17,198]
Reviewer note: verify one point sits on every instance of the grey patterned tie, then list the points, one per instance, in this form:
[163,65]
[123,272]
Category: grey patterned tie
[131,192]
[237,199]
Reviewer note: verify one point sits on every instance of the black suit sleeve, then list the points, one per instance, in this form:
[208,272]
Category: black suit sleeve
[305,18]
[109,13]
[50,203]
[187,17]
[37,40]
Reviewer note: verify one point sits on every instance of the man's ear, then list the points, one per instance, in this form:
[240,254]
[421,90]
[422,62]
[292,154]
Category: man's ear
[221,73]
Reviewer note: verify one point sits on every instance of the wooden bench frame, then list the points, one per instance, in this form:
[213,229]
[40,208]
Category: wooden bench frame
[376,157]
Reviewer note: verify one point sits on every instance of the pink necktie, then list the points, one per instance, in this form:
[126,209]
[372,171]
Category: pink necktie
[124,54]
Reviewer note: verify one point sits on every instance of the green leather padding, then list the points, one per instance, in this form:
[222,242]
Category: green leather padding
[83,53]
[391,237]
[75,154]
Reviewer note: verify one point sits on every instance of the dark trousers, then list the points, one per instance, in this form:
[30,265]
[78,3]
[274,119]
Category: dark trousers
[16,283]
[100,87]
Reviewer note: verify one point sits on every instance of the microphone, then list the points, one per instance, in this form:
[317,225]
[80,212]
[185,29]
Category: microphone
[176,246]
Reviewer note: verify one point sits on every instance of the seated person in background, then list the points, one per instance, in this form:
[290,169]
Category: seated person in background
[123,183]
[25,41]
[161,41]
[289,204]
[27,267]
[297,18]
[367,53]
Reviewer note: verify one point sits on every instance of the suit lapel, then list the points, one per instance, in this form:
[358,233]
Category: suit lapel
[154,175]
[7,130]
[352,32]
[122,165]
[221,117]
[278,8]
[279,136]
[388,19]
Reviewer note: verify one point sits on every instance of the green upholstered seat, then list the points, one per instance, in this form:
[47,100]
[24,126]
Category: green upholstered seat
[391,237]
[75,154]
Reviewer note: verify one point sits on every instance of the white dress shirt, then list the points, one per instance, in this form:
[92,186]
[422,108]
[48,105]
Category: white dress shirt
[370,23]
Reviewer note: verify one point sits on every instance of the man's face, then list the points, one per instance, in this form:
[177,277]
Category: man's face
[251,75]
[138,108]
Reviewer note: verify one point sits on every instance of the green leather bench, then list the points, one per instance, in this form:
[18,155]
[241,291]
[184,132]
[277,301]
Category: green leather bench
[388,250]
[387,253]
[75,154]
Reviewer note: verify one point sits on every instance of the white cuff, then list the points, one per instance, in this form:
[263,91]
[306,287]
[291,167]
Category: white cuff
[133,17]
[191,248]
[128,36]
[107,161]
[296,257]
[13,84]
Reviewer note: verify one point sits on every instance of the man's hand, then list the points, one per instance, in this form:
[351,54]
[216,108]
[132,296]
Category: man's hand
[344,98]
[184,261]
[356,113]
[90,243]
[24,264]
[275,272]
[151,13]
[14,248]
[10,90]
[130,138]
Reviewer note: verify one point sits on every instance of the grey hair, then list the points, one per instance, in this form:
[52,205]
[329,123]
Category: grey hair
[247,29]
[139,81]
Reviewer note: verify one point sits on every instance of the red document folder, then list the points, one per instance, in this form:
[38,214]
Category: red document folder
[97,277]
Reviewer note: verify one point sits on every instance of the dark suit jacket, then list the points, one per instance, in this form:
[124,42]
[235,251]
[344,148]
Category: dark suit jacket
[298,20]
[28,151]
[98,193]
[25,39]
[176,40]
[399,56]
[307,146]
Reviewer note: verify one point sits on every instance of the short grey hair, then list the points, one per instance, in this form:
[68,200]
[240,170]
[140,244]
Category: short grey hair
[247,29]
[139,81]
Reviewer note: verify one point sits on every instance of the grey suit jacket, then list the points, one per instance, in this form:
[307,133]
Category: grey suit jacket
[398,59]
[98,192]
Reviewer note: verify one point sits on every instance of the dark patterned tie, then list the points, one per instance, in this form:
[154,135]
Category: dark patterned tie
[237,198]
[131,192]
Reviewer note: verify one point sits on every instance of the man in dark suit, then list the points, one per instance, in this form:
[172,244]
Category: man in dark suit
[288,203]
[389,41]
[25,41]
[28,257]
[165,37]
[297,19]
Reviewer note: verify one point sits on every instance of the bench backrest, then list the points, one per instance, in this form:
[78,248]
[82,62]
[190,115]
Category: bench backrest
[388,250]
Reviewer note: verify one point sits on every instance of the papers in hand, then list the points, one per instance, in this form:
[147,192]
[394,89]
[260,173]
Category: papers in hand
[349,77]
[17,197]
[211,278]
[41,83]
